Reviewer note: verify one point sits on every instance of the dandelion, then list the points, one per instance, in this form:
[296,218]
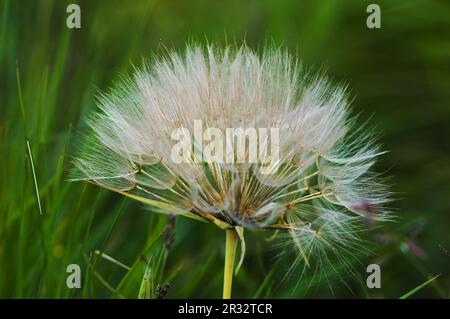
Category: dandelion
[318,191]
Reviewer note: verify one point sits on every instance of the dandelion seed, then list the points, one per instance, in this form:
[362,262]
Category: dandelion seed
[317,191]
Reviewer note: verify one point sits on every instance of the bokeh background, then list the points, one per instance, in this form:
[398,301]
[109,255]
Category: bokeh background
[399,76]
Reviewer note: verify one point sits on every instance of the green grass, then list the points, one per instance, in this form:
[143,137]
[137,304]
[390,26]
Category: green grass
[416,289]
[49,78]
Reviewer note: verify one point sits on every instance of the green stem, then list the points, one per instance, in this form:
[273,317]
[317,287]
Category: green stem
[230,253]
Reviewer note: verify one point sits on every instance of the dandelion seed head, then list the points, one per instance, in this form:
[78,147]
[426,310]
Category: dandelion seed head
[317,191]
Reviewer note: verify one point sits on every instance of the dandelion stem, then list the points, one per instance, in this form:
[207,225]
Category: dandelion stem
[230,254]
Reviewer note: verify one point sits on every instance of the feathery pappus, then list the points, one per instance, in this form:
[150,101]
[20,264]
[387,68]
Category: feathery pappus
[319,188]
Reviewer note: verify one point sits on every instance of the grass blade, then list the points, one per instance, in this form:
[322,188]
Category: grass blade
[34,178]
[147,289]
[413,291]
[111,259]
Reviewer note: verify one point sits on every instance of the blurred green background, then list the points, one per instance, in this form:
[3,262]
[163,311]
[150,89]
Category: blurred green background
[399,78]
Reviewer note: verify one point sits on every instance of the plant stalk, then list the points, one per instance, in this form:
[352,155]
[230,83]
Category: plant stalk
[230,254]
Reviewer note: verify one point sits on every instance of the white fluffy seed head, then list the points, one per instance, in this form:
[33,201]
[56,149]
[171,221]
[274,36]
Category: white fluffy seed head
[319,188]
